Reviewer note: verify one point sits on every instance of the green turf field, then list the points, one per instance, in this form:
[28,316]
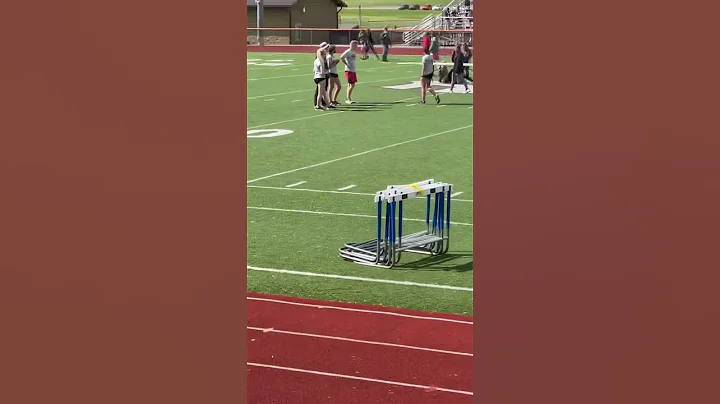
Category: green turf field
[374,18]
[310,190]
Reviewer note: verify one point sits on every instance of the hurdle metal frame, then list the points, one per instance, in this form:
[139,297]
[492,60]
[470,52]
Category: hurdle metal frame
[386,249]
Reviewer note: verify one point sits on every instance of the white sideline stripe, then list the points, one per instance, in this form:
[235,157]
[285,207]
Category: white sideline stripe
[295,184]
[305,90]
[365,379]
[318,114]
[455,194]
[316,212]
[358,278]
[295,100]
[352,155]
[347,187]
[360,341]
[388,313]
[322,191]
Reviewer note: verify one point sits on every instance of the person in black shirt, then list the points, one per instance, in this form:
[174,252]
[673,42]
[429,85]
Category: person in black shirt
[459,69]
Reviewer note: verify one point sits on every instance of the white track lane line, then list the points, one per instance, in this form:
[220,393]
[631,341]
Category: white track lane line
[359,341]
[352,155]
[314,212]
[365,311]
[347,187]
[365,379]
[322,191]
[360,279]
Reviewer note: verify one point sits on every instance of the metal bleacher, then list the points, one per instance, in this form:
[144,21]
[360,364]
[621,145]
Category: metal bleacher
[457,15]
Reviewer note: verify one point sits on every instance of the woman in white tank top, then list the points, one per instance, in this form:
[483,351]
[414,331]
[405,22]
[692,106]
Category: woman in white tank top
[320,72]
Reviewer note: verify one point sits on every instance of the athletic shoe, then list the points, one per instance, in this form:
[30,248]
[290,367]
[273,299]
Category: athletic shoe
[467,91]
[421,102]
[437,99]
[349,102]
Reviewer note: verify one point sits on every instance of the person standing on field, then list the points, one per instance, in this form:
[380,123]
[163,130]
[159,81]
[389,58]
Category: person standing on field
[435,48]
[334,80]
[349,58]
[385,41]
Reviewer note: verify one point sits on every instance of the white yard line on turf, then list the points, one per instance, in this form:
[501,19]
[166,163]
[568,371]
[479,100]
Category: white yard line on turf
[358,278]
[365,311]
[322,191]
[318,114]
[360,341]
[305,90]
[315,212]
[356,154]
[305,75]
[365,379]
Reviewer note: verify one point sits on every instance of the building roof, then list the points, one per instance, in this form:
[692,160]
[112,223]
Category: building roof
[273,3]
[287,3]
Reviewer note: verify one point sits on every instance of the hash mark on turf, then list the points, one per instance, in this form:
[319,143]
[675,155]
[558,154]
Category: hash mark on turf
[455,194]
[442,106]
[295,100]
[295,184]
[346,188]
[270,99]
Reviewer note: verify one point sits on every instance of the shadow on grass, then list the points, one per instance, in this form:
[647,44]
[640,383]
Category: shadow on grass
[450,262]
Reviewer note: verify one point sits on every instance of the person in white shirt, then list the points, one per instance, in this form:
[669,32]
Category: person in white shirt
[426,76]
[348,58]
[334,80]
[320,72]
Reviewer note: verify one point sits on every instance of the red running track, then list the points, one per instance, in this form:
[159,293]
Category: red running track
[302,351]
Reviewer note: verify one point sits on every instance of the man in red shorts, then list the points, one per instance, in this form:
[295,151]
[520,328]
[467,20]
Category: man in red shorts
[348,58]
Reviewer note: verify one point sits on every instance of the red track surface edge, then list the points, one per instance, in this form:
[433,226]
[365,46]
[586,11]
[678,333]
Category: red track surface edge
[395,50]
[326,352]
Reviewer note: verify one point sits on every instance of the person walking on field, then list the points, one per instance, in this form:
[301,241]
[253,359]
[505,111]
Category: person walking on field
[428,70]
[459,70]
[385,41]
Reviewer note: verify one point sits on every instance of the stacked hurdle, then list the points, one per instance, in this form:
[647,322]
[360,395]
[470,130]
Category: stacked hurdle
[390,242]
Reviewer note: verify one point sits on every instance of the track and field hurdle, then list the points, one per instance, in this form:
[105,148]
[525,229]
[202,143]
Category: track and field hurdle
[386,249]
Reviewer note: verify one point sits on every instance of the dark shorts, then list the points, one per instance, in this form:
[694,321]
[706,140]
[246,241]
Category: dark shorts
[428,77]
[334,75]
[320,80]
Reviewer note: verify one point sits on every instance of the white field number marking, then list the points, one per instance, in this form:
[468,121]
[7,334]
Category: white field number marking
[263,133]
